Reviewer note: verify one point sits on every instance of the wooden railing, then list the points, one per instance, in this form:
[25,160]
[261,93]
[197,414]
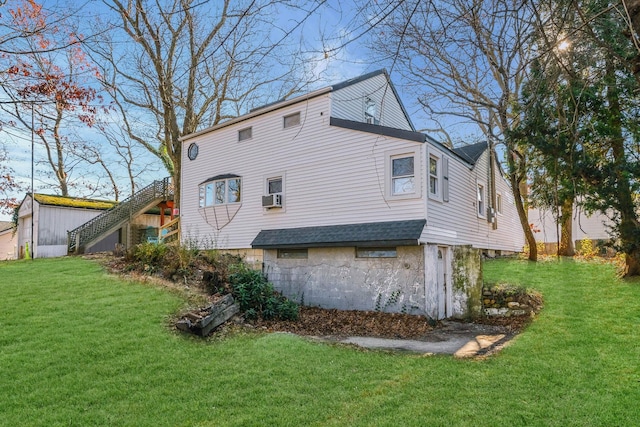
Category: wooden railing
[80,237]
[170,232]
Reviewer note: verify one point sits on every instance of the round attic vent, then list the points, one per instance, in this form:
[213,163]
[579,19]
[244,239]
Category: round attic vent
[192,152]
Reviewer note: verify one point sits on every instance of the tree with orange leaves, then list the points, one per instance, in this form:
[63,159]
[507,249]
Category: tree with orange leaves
[47,87]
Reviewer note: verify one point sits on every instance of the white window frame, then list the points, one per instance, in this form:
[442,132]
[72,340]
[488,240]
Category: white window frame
[481,200]
[288,116]
[499,202]
[265,191]
[203,199]
[438,177]
[417,173]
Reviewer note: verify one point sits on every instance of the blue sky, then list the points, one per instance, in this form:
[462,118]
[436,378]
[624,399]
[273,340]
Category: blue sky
[335,27]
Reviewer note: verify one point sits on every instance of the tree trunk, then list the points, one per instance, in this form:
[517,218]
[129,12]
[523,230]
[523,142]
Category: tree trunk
[514,178]
[629,228]
[524,218]
[566,247]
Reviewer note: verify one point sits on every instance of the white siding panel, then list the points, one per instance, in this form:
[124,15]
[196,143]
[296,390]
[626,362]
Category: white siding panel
[457,222]
[333,176]
[349,103]
[55,221]
[593,226]
[8,241]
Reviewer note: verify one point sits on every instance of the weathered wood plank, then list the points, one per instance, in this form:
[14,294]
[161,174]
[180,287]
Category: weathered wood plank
[219,319]
[208,318]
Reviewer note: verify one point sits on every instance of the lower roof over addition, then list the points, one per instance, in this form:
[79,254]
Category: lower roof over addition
[390,233]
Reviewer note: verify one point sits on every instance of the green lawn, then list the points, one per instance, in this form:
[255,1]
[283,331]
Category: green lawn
[79,347]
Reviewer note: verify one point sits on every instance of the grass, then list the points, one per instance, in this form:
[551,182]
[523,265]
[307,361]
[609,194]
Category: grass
[79,347]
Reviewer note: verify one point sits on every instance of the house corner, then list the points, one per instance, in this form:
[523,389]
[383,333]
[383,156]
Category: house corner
[467,282]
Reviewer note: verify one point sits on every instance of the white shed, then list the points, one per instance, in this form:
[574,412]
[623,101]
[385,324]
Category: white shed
[52,217]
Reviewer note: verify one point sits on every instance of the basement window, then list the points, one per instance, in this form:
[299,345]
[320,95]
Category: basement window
[379,252]
[293,253]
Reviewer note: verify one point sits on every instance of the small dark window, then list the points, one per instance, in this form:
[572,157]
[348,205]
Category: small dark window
[376,252]
[192,151]
[275,185]
[292,120]
[293,253]
[244,134]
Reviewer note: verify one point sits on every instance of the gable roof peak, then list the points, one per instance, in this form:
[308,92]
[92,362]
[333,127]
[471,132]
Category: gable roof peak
[472,152]
[359,79]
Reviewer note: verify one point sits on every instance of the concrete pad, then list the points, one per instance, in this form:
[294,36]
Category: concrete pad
[439,347]
[477,344]
[460,346]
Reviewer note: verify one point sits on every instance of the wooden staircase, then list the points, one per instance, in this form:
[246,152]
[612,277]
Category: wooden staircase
[111,220]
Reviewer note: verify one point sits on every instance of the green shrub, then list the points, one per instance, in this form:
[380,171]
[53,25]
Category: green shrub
[216,278]
[257,297]
[178,262]
[148,255]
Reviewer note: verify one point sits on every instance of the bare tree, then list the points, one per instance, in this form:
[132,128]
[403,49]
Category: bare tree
[176,66]
[47,86]
[466,61]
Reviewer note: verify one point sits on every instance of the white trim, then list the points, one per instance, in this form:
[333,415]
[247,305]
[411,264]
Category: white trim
[265,191]
[438,176]
[481,213]
[391,155]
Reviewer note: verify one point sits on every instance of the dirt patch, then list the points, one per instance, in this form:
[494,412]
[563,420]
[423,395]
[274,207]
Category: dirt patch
[320,322]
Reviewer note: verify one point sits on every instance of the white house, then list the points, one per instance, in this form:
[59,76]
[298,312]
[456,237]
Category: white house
[346,205]
[7,241]
[595,227]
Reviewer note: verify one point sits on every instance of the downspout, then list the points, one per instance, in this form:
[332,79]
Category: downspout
[492,184]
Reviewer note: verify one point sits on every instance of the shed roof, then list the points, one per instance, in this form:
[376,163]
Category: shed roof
[74,202]
[390,233]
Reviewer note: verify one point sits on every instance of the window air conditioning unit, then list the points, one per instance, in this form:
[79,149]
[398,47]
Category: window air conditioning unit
[272,201]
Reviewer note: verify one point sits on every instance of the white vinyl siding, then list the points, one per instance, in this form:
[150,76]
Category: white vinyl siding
[348,103]
[595,226]
[333,176]
[457,222]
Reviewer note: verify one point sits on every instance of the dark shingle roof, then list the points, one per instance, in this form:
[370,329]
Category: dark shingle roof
[392,233]
[377,129]
[222,176]
[471,153]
